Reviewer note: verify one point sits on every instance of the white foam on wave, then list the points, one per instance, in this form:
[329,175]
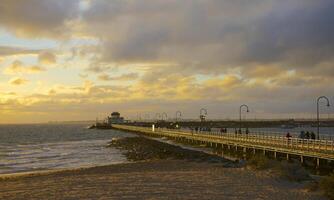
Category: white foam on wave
[57,155]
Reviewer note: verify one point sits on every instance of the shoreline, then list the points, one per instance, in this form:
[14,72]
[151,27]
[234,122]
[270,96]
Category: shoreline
[49,171]
[162,172]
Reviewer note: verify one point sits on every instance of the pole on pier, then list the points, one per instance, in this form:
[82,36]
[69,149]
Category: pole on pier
[318,115]
[202,114]
[240,109]
[178,115]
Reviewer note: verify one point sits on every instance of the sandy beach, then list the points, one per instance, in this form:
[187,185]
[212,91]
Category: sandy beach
[161,171]
[164,179]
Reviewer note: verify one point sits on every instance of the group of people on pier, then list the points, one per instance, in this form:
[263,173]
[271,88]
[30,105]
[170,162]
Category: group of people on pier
[199,129]
[307,135]
[240,131]
[303,135]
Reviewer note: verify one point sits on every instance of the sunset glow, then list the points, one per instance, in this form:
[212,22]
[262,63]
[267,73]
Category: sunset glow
[70,60]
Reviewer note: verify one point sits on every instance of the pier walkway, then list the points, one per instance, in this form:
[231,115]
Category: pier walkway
[319,149]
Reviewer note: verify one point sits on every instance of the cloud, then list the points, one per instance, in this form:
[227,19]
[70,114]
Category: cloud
[98,67]
[9,51]
[221,34]
[17,67]
[18,81]
[36,18]
[123,77]
[276,56]
[83,75]
[47,58]
[229,81]
[293,32]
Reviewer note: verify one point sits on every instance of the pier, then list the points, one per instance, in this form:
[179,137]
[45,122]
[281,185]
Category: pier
[302,148]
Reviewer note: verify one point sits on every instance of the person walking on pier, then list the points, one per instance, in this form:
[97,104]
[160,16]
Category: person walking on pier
[288,137]
[302,135]
[312,135]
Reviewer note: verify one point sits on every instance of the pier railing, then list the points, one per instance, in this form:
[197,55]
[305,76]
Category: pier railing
[266,133]
[304,147]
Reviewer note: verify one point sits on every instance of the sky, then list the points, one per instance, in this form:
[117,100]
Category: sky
[70,60]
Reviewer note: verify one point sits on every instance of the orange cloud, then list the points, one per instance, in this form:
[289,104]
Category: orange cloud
[123,77]
[227,82]
[18,67]
[18,81]
[47,58]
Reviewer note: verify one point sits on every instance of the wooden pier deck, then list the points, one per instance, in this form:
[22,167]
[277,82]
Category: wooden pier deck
[318,149]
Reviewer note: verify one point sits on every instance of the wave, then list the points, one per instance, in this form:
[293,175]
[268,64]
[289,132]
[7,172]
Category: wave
[68,154]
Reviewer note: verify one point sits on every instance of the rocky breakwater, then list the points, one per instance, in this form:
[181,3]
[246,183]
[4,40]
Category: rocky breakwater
[142,148]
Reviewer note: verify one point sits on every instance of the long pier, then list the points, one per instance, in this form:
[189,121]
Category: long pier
[303,148]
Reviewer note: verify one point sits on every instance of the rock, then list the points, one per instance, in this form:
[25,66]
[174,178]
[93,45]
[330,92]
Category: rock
[141,148]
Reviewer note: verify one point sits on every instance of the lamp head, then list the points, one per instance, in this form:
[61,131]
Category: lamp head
[247,110]
[328,104]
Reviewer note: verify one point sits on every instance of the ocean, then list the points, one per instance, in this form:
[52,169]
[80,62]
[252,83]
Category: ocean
[28,148]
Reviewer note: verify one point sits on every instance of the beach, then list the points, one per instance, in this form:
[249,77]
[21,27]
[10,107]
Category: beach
[164,179]
[159,178]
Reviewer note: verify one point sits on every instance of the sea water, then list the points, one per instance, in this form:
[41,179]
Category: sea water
[27,148]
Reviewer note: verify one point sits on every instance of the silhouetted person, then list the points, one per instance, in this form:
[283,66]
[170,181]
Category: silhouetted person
[288,136]
[312,135]
[302,135]
[307,135]
[247,131]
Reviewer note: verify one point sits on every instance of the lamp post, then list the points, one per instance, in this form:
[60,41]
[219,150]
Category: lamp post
[318,115]
[202,115]
[177,114]
[164,114]
[240,109]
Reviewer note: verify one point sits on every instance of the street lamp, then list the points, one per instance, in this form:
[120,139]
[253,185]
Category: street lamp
[202,115]
[164,114]
[178,114]
[318,117]
[240,109]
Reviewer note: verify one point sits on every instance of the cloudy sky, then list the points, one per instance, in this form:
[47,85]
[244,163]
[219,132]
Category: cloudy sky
[81,59]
